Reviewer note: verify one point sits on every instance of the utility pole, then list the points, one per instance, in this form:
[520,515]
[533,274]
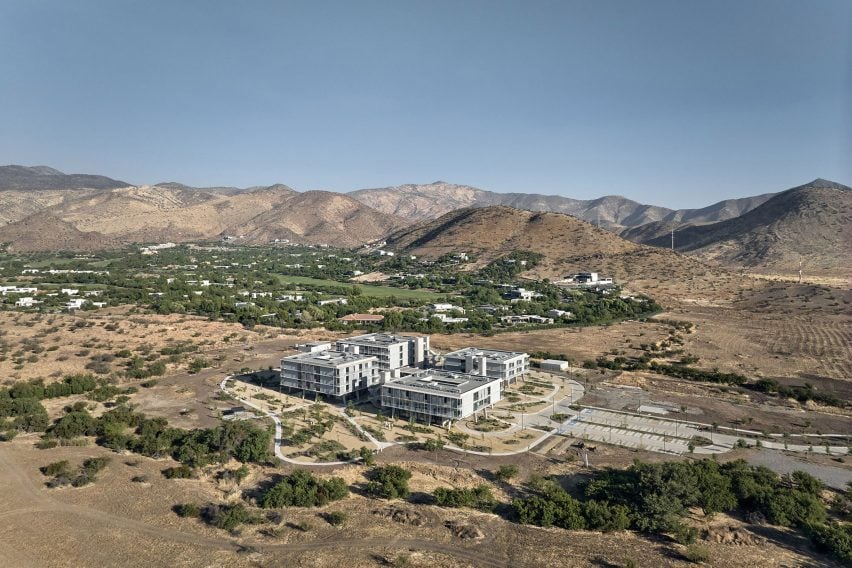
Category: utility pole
[672,238]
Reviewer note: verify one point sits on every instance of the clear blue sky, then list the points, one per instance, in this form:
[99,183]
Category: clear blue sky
[678,103]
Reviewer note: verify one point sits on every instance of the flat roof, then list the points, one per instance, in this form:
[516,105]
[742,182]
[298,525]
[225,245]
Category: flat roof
[493,354]
[331,358]
[378,339]
[437,381]
[364,317]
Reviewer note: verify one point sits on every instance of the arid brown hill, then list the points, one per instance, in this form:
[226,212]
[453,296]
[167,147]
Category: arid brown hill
[176,213]
[811,223]
[319,217]
[568,244]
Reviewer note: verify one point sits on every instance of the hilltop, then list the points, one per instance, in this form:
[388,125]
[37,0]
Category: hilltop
[811,223]
[566,243]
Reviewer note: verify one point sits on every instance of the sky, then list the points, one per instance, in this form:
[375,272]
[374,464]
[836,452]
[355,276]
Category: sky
[677,103]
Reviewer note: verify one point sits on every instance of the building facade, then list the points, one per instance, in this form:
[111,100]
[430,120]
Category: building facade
[330,373]
[435,396]
[504,365]
[391,351]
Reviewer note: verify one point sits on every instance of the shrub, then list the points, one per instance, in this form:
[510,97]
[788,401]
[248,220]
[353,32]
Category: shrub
[74,424]
[479,497]
[302,489]
[94,465]
[696,553]
[602,516]
[553,507]
[336,518]
[506,472]
[834,539]
[389,482]
[186,510]
[198,364]
[179,472]
[367,456]
[229,517]
[57,468]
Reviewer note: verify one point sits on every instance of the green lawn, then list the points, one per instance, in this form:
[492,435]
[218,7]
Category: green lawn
[366,289]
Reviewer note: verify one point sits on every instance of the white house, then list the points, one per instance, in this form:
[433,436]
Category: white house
[589,279]
[75,304]
[338,301]
[558,314]
[438,308]
[521,295]
[525,318]
[450,319]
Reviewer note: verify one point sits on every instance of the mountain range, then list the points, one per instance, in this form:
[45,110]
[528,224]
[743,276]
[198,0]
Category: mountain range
[422,202]
[83,218]
[44,209]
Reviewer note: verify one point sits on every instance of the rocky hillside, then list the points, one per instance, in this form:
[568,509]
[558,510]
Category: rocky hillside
[319,217]
[172,212]
[421,202]
[811,223]
[567,244]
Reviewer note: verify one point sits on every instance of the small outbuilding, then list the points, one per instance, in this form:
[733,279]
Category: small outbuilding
[555,365]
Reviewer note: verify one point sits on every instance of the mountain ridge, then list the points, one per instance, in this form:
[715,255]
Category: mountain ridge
[811,223]
[419,202]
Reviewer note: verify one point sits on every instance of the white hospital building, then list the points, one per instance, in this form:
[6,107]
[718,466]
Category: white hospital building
[504,365]
[438,396]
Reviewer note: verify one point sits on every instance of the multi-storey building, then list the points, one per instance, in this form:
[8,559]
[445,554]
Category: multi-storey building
[391,351]
[504,365]
[438,396]
[330,373]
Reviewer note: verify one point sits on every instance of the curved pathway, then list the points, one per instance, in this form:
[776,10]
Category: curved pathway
[617,427]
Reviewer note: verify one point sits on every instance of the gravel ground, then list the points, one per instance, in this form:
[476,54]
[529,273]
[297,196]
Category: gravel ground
[778,462]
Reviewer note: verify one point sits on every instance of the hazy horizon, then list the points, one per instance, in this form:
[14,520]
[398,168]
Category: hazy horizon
[664,103]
